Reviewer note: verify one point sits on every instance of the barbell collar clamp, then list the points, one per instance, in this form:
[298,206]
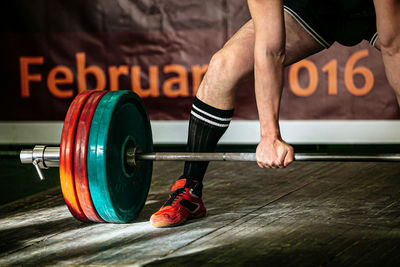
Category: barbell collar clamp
[42,157]
[37,163]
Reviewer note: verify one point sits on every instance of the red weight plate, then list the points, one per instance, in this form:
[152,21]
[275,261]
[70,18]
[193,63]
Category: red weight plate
[81,145]
[67,155]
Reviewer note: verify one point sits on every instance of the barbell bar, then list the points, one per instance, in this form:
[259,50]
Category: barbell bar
[106,155]
[43,157]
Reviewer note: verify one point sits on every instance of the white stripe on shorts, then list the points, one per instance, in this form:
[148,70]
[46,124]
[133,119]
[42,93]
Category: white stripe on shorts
[373,39]
[307,27]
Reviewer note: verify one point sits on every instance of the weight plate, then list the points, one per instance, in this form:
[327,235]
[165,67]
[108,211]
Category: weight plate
[80,170]
[118,192]
[67,155]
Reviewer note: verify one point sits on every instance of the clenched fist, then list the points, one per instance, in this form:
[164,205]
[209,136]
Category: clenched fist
[274,153]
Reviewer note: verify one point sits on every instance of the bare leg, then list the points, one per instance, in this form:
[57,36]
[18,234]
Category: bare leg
[234,62]
[388,25]
[212,111]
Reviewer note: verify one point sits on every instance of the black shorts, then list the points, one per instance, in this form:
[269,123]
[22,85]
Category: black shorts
[346,21]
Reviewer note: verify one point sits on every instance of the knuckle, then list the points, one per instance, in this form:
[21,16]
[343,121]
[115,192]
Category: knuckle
[277,163]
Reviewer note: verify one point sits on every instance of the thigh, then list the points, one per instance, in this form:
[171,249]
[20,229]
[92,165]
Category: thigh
[234,63]
[299,44]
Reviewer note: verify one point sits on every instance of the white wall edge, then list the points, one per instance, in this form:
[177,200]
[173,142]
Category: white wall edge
[240,132]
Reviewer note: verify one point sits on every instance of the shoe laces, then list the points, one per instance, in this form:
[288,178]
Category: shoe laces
[176,195]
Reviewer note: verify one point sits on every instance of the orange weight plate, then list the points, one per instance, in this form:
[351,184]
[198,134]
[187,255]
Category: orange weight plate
[67,155]
[80,159]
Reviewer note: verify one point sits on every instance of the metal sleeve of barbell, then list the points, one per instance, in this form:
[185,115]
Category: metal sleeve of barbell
[50,156]
[252,157]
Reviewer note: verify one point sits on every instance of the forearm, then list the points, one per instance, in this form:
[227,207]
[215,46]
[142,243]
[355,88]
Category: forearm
[269,55]
[268,89]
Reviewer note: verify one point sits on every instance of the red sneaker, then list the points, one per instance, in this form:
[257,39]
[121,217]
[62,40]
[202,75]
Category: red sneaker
[184,203]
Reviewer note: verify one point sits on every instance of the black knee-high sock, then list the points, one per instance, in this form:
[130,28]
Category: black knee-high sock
[206,126]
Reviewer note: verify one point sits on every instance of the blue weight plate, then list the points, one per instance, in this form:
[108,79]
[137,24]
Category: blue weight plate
[117,190]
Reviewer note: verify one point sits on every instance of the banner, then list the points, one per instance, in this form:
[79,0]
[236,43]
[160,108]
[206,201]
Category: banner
[160,49]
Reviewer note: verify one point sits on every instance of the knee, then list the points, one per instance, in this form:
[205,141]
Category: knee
[229,65]
[219,79]
[219,63]
[225,70]
[389,44]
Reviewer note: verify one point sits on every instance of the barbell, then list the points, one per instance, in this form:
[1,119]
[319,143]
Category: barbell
[106,155]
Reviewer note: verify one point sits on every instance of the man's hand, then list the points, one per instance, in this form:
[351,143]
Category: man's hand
[274,153]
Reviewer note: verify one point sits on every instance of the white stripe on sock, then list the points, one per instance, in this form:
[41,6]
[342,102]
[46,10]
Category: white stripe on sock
[210,115]
[209,121]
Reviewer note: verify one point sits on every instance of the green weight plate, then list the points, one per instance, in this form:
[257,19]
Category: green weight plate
[118,192]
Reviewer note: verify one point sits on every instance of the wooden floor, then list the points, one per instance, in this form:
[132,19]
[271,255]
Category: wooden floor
[307,214]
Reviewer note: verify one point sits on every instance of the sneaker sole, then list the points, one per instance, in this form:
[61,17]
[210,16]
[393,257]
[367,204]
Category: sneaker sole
[167,224]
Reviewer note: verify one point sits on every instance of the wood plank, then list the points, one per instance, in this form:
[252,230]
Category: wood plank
[309,213]
[309,231]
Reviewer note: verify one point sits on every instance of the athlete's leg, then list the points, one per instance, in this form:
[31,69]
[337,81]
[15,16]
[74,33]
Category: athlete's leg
[213,106]
[388,25]
[234,62]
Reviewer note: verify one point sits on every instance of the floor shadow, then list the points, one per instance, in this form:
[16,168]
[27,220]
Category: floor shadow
[16,238]
[257,251]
